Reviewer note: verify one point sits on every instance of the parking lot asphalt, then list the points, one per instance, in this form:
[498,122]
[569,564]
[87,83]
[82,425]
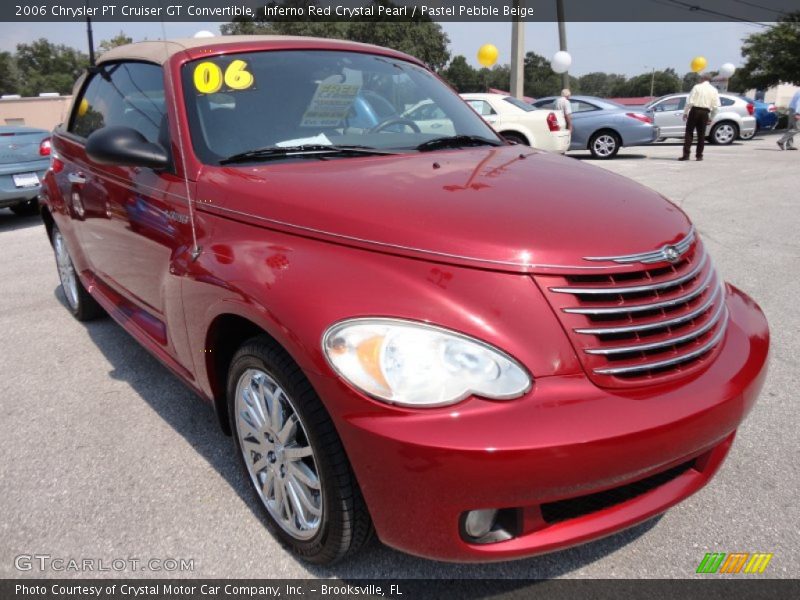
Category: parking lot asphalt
[105,455]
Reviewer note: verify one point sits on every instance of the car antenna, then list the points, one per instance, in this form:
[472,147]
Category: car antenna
[196,249]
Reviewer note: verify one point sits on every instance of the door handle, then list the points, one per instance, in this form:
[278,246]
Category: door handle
[76,177]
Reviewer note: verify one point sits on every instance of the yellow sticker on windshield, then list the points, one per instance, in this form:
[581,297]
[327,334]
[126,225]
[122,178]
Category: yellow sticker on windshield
[209,77]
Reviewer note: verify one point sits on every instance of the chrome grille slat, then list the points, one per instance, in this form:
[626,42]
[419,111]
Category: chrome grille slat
[650,326]
[694,334]
[653,256]
[643,322]
[618,290]
[660,364]
[634,308]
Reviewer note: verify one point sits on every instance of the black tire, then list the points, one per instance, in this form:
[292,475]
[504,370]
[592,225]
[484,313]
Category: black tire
[79,301]
[345,525]
[515,138]
[604,144]
[26,209]
[724,133]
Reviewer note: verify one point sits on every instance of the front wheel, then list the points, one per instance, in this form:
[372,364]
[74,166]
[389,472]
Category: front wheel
[515,138]
[289,448]
[604,145]
[724,133]
[79,301]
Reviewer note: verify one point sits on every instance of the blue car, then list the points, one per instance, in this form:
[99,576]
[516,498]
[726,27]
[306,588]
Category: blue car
[24,158]
[765,113]
[603,127]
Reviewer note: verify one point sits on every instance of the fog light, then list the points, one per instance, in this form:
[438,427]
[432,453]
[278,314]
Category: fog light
[480,522]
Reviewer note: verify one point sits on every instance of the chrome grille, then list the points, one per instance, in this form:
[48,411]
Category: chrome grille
[646,323]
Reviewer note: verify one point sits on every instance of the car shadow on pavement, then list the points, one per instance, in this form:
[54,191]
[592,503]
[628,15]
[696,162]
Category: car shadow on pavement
[197,423]
[617,157]
[11,222]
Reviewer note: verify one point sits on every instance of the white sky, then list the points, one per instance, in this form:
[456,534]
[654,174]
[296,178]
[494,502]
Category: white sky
[627,48]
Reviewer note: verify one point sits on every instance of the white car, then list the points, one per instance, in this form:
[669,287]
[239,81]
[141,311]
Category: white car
[518,121]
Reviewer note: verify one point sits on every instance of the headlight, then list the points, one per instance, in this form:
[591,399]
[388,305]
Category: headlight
[413,364]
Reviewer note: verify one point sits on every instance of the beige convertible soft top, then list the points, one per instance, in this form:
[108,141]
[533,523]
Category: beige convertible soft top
[159,51]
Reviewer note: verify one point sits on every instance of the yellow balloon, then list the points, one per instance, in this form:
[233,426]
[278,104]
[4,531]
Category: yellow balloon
[487,55]
[699,63]
[83,107]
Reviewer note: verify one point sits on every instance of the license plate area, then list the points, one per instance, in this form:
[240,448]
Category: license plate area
[25,180]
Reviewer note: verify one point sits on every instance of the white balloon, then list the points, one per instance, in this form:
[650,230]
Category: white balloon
[727,70]
[204,34]
[561,61]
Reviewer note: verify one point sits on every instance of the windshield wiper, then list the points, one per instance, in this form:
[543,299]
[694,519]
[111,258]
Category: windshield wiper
[456,141]
[309,150]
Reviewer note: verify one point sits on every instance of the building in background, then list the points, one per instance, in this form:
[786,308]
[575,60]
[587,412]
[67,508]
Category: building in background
[44,112]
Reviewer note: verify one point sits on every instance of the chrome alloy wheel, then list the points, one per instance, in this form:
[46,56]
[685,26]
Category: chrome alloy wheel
[605,145]
[66,271]
[278,455]
[724,134]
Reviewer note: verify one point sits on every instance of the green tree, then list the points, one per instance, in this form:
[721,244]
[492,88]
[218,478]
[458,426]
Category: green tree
[772,56]
[689,80]
[118,40]
[600,84]
[419,37]
[662,82]
[46,67]
[540,80]
[9,81]
[461,75]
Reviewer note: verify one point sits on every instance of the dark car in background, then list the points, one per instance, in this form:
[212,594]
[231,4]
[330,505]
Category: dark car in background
[603,127]
[24,158]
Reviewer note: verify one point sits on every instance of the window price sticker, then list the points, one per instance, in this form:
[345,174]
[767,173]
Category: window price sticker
[330,105]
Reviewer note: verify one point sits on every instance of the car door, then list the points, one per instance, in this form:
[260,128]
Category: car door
[131,220]
[485,110]
[668,116]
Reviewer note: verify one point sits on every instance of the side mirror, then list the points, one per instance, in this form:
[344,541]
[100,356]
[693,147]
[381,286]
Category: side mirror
[125,147]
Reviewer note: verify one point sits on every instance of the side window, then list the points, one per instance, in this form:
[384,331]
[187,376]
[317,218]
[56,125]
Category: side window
[545,104]
[481,107]
[726,101]
[671,104]
[578,106]
[129,94]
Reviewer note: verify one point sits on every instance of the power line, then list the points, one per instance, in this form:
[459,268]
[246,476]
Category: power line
[754,5]
[696,8]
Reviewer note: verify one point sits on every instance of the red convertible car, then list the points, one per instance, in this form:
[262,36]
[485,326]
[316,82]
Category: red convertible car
[477,350]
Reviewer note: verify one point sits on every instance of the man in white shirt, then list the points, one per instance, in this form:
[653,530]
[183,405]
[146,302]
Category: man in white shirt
[564,106]
[702,102]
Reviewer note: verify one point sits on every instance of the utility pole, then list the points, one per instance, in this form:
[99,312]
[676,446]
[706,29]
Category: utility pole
[518,52]
[652,81]
[91,41]
[562,38]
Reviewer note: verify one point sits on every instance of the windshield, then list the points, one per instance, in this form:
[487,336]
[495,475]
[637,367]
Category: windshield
[237,103]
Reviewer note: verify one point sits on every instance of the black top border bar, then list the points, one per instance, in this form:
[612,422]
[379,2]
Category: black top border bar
[748,11]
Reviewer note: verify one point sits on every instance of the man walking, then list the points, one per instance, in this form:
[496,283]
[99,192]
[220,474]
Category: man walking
[793,126]
[702,102]
[564,106]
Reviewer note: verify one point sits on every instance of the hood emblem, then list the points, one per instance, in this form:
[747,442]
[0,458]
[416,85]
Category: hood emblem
[668,253]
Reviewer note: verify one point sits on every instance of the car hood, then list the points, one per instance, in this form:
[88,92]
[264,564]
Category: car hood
[508,207]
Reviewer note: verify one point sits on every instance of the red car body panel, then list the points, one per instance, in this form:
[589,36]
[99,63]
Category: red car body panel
[295,247]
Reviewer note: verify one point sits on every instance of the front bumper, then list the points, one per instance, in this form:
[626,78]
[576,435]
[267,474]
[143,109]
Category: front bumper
[420,471]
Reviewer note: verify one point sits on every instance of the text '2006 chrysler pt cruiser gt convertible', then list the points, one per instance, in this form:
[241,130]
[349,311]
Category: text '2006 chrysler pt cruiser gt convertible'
[477,350]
